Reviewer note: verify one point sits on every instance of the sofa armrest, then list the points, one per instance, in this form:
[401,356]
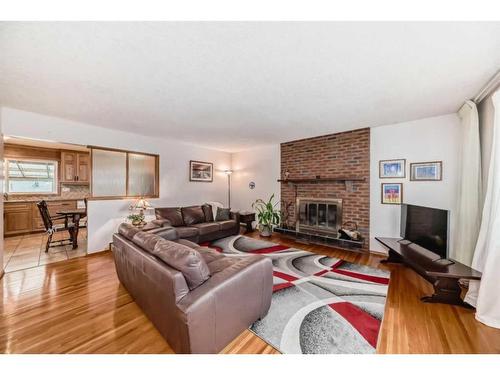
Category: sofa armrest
[235,216]
[168,233]
[161,222]
[227,303]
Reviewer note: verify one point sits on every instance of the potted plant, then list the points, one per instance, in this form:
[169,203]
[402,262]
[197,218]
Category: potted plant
[136,219]
[267,215]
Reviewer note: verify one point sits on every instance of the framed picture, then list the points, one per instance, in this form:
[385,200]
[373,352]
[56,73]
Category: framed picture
[392,168]
[201,171]
[426,171]
[392,193]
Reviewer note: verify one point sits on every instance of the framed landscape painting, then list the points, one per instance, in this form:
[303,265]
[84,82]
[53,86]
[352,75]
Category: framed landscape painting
[392,168]
[201,171]
[392,193]
[426,171]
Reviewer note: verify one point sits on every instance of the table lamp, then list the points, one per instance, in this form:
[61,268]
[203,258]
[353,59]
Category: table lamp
[141,205]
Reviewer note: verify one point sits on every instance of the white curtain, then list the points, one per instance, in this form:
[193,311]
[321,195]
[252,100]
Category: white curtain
[485,295]
[468,214]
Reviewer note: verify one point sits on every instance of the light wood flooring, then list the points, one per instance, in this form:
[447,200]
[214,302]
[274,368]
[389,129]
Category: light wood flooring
[27,251]
[79,306]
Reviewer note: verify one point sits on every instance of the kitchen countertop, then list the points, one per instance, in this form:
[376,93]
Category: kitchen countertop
[54,199]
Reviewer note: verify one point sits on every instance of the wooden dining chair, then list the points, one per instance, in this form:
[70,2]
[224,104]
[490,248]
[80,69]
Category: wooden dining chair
[52,228]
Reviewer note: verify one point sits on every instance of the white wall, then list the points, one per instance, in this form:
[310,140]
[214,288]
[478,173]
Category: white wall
[260,165]
[429,139]
[175,188]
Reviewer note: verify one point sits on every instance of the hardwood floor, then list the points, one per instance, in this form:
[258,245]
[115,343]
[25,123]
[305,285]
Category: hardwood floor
[78,306]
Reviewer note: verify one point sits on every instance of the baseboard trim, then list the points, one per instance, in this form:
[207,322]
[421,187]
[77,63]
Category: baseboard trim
[378,252]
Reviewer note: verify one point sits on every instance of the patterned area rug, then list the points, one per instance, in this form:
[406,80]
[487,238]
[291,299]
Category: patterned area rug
[320,304]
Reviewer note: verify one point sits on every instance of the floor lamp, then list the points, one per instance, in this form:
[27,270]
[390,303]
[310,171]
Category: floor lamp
[228,172]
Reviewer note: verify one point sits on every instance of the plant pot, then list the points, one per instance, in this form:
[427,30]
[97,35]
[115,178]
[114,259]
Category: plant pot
[265,231]
[136,222]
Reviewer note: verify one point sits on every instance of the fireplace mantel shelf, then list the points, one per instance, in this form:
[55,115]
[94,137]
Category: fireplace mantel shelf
[326,179]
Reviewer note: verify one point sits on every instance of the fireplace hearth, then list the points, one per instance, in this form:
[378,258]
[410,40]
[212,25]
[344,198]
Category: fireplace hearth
[320,216]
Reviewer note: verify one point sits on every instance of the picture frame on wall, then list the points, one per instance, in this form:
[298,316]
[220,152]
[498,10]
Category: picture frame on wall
[426,171]
[392,193]
[201,171]
[395,168]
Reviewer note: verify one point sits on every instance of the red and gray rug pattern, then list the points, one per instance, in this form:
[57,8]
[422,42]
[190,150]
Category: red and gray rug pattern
[320,304]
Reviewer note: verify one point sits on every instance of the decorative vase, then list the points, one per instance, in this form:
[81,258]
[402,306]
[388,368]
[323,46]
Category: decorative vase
[265,231]
[136,222]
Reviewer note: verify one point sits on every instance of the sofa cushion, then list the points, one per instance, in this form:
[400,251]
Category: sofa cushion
[149,226]
[157,223]
[187,232]
[209,255]
[184,259]
[207,210]
[128,230]
[168,233]
[214,206]
[193,215]
[206,228]
[223,214]
[146,240]
[172,214]
[187,243]
[162,222]
[227,224]
[222,263]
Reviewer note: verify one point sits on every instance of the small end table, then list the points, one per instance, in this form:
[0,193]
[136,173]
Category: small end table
[247,218]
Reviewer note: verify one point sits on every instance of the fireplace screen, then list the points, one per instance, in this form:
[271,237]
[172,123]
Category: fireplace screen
[319,215]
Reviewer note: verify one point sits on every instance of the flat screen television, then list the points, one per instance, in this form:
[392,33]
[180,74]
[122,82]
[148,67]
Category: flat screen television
[427,227]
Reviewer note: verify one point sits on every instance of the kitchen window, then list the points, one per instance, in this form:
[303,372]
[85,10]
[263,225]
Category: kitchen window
[31,176]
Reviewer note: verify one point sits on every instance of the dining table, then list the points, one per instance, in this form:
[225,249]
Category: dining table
[75,215]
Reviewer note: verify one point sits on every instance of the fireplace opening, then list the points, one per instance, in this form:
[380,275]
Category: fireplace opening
[323,216]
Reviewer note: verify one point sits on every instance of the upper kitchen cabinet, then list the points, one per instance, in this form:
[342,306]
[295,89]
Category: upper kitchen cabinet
[75,167]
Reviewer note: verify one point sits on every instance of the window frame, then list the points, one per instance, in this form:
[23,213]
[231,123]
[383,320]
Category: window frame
[32,160]
[126,196]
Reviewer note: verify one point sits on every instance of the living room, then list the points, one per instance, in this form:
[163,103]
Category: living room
[331,204]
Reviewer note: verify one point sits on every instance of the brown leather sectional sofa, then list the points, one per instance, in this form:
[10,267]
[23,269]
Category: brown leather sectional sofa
[198,299]
[196,223]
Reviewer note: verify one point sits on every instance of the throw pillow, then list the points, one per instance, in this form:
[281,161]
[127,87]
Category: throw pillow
[207,210]
[223,214]
[193,215]
[172,214]
[184,259]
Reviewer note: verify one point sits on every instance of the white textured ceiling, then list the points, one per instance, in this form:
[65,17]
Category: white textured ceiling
[237,85]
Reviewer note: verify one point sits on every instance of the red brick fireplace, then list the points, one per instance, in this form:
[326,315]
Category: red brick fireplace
[332,167]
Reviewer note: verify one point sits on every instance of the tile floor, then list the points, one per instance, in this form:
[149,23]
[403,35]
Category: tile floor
[27,251]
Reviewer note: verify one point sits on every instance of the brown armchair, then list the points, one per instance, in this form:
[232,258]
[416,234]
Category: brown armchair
[52,228]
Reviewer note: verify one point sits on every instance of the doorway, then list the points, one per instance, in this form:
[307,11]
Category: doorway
[44,202]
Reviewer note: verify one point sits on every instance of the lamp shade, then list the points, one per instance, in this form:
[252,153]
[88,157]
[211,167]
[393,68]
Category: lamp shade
[141,204]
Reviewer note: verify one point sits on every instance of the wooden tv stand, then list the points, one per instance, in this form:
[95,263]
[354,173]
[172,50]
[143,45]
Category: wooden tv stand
[444,279]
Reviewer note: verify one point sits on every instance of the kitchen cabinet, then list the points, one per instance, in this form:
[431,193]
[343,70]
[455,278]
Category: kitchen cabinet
[83,167]
[17,218]
[75,167]
[24,217]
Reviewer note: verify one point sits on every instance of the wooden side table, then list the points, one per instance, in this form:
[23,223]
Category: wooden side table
[247,218]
